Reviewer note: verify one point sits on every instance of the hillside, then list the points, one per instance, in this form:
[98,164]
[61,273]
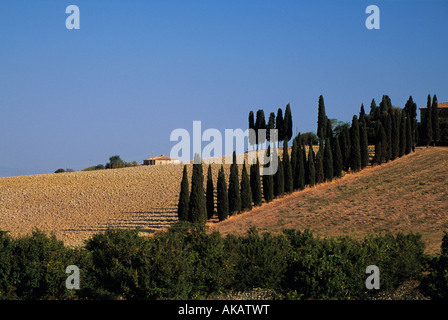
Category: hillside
[409,194]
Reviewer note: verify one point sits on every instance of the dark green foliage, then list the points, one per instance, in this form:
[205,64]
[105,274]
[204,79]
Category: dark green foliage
[184,197]
[321,119]
[319,165]
[355,150]
[395,134]
[255,184]
[337,159]
[197,206]
[408,136]
[287,123]
[362,113]
[280,125]
[300,168]
[260,124]
[403,131]
[308,138]
[246,191]
[310,173]
[268,180]
[222,196]
[93,168]
[435,120]
[427,123]
[210,196]
[328,161]
[294,162]
[60,170]
[381,144]
[388,128]
[345,145]
[363,144]
[287,169]
[411,111]
[270,126]
[234,188]
[252,132]
[279,180]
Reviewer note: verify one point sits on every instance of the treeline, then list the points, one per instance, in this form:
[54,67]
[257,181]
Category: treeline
[115,162]
[341,147]
[188,263]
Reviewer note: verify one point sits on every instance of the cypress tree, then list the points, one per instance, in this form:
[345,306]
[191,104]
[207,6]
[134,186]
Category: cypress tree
[355,155]
[364,144]
[408,136]
[288,184]
[252,132]
[222,198]
[246,191]
[268,181]
[328,161]
[279,180]
[234,188]
[279,125]
[337,159]
[301,168]
[428,135]
[294,163]
[311,170]
[381,144]
[260,124]
[345,145]
[388,128]
[435,120]
[321,119]
[184,197]
[270,126]
[255,183]
[395,134]
[411,111]
[402,143]
[287,123]
[210,197]
[197,204]
[319,165]
[362,113]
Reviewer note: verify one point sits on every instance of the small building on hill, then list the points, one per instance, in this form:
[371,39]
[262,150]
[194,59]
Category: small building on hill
[160,160]
[443,112]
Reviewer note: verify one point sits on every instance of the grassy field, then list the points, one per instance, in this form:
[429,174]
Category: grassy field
[409,194]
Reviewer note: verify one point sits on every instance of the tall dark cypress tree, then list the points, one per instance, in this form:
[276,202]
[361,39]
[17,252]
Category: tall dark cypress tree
[408,136]
[435,121]
[337,159]
[184,197]
[268,180]
[260,124]
[197,204]
[252,132]
[255,183]
[311,170]
[345,144]
[210,196]
[279,180]
[294,156]
[287,123]
[388,129]
[279,125]
[362,113]
[222,197]
[427,123]
[270,126]
[328,161]
[319,165]
[381,144]
[355,155]
[411,111]
[246,191]
[301,168]
[288,184]
[402,143]
[321,119]
[234,188]
[395,134]
[364,144]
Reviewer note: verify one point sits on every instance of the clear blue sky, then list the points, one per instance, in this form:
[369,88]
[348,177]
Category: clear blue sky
[136,70]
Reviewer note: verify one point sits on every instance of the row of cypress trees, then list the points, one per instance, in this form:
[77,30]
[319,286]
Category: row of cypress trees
[392,130]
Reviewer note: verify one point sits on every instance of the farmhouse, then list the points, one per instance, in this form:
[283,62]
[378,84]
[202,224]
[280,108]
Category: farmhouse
[443,112]
[160,160]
